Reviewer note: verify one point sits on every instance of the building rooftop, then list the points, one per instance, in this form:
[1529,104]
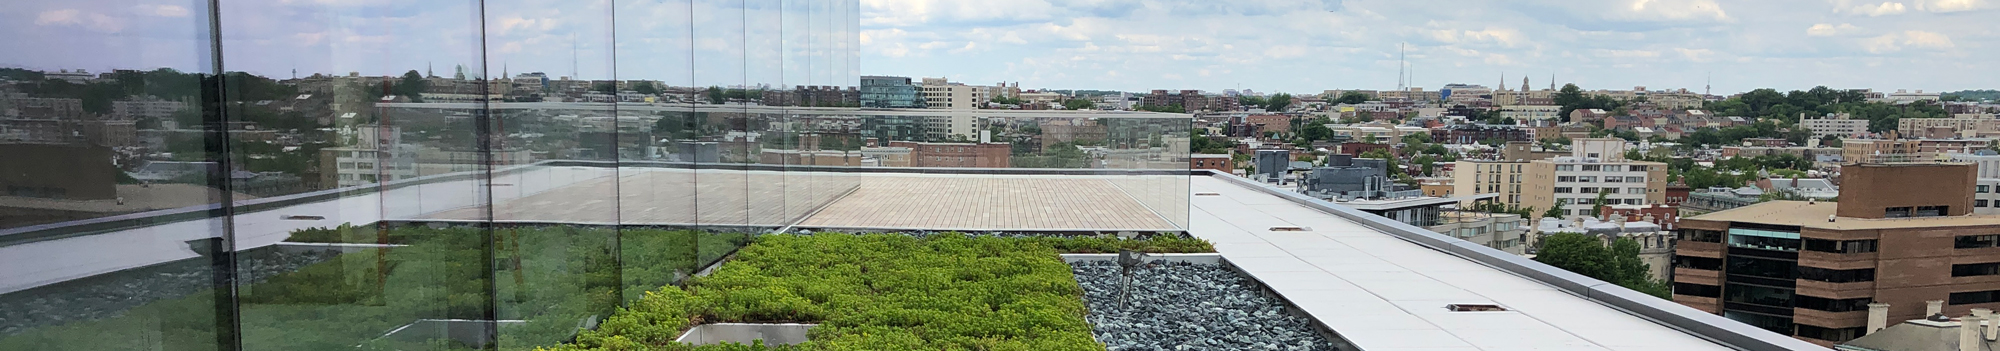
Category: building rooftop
[1814,215]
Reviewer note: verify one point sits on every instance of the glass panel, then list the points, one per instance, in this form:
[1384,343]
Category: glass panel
[111,235]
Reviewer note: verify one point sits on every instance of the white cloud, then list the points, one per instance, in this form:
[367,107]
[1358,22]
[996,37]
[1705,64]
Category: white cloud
[1942,6]
[1893,42]
[1828,30]
[1874,9]
[93,21]
[1680,9]
[162,10]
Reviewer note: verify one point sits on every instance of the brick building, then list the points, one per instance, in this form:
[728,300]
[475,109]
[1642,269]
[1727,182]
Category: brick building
[1901,235]
[958,155]
[1220,162]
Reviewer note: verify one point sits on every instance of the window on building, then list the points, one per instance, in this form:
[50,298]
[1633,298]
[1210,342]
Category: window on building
[1976,241]
[1635,179]
[1697,290]
[1566,168]
[1837,335]
[1563,190]
[1983,187]
[1837,275]
[1634,201]
[1706,236]
[1979,203]
[1896,212]
[1972,297]
[1587,190]
[1931,211]
[1610,190]
[1586,179]
[1637,191]
[1614,179]
[1592,168]
[1614,168]
[1975,269]
[1692,262]
[1836,246]
[1566,179]
[1831,305]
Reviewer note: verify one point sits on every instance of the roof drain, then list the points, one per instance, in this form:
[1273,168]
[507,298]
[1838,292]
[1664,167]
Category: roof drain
[1462,307]
[1290,229]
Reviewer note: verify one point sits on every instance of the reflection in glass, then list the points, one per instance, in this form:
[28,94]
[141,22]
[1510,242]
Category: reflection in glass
[494,174]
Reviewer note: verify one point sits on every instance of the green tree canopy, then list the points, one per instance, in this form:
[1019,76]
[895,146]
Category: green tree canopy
[1279,102]
[1352,97]
[1587,255]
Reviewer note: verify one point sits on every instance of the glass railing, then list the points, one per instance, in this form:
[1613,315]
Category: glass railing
[487,174]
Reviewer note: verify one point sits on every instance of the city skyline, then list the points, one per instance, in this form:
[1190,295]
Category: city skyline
[1128,46]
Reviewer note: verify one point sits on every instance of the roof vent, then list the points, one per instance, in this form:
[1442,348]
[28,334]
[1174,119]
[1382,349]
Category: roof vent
[1207,194]
[1290,229]
[1460,307]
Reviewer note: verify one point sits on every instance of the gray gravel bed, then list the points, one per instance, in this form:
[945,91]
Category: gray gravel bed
[1188,306]
[111,294]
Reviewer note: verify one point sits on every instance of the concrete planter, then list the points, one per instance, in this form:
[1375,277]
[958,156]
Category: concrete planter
[744,333]
[477,334]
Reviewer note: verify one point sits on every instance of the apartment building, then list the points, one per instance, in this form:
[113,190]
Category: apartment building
[1878,150]
[957,155]
[1531,112]
[1502,177]
[1838,124]
[942,94]
[1969,126]
[1574,183]
[1986,192]
[1595,166]
[1901,235]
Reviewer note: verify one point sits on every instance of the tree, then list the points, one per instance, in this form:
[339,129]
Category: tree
[716,96]
[1587,255]
[1597,206]
[1554,212]
[1252,100]
[1079,104]
[1394,168]
[1315,132]
[1350,98]
[412,86]
[645,87]
[1279,102]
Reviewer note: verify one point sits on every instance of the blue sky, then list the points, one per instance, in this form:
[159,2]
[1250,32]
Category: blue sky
[1266,45]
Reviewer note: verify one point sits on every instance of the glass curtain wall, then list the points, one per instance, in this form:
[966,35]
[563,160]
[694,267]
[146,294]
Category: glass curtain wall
[484,174]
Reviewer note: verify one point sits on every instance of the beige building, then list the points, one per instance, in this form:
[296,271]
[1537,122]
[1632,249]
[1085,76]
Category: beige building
[941,94]
[1531,112]
[1879,150]
[1840,124]
[1594,166]
[1966,126]
[1473,177]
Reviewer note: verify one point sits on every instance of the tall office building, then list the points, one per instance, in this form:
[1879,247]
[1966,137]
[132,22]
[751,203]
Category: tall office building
[1901,236]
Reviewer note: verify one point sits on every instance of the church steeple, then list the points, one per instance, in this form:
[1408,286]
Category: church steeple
[1524,84]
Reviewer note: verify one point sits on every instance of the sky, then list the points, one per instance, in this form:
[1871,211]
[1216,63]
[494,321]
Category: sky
[1303,46]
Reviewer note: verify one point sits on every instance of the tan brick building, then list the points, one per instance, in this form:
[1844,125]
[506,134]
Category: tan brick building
[1901,235]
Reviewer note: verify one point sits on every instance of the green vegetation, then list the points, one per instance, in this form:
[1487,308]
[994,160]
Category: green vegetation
[1971,95]
[552,277]
[1079,104]
[1167,108]
[1202,144]
[1278,102]
[881,292]
[1572,98]
[1617,264]
[1350,98]
[1786,107]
